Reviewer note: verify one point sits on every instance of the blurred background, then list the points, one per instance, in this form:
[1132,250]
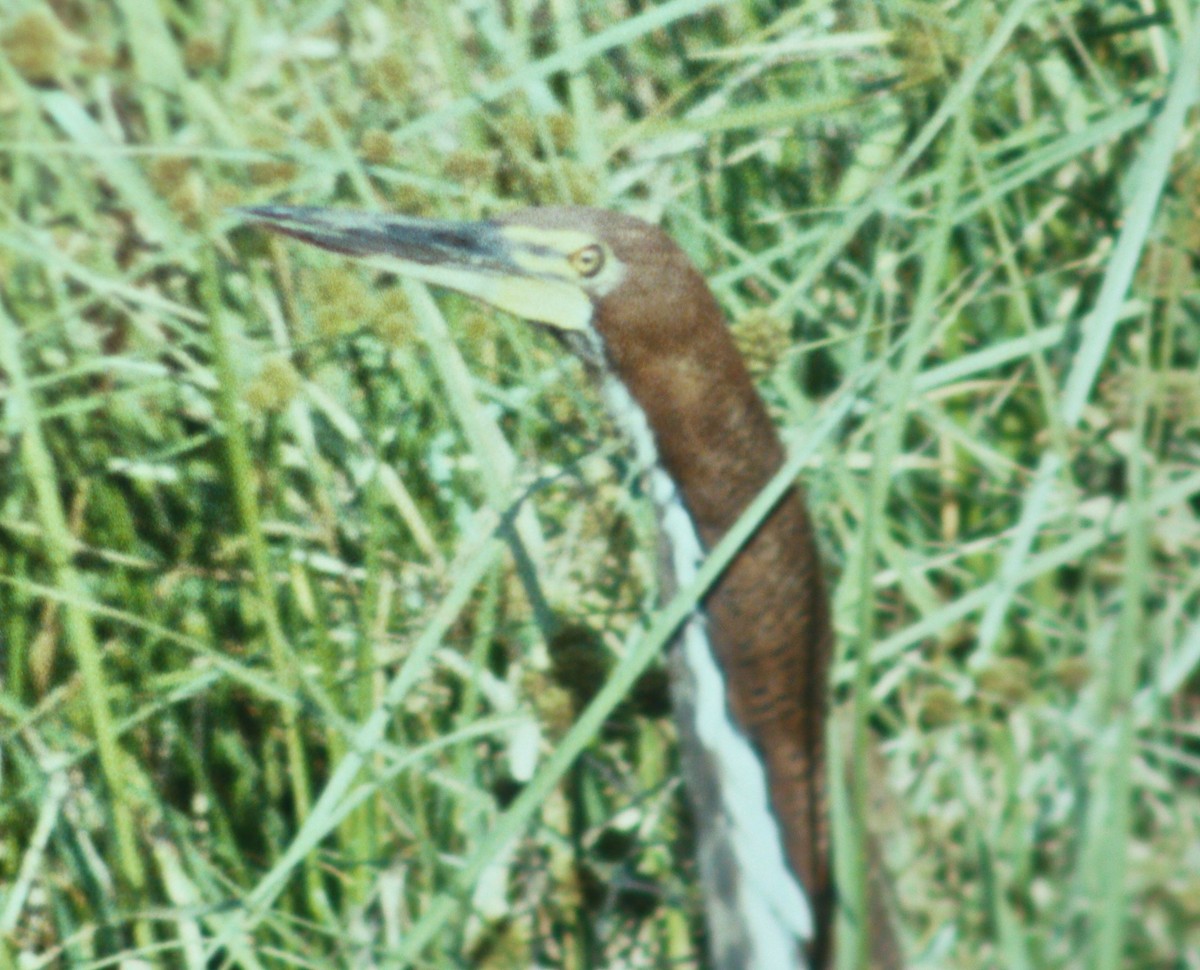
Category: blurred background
[304,577]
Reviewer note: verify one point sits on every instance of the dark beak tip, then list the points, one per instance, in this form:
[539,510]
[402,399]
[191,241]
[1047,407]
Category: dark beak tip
[262,213]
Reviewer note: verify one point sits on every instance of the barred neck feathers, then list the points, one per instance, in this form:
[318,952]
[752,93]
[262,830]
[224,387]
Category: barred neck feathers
[766,620]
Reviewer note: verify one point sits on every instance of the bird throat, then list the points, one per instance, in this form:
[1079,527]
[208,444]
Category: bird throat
[758,915]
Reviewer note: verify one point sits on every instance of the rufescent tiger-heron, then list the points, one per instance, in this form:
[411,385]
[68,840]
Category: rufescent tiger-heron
[748,669]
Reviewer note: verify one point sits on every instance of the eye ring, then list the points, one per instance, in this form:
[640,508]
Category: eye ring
[588,261]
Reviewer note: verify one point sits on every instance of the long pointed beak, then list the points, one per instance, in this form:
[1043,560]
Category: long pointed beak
[426,242]
[475,258]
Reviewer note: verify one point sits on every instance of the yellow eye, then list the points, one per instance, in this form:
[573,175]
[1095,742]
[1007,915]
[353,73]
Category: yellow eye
[587,261]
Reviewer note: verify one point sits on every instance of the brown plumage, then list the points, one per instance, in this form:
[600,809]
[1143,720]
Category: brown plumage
[654,326]
[768,614]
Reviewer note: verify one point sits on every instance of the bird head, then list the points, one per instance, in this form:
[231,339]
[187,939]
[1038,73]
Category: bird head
[583,273]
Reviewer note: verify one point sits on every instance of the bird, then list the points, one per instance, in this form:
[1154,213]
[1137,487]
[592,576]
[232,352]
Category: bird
[749,667]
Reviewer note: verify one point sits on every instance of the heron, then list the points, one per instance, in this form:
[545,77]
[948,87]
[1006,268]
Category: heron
[749,667]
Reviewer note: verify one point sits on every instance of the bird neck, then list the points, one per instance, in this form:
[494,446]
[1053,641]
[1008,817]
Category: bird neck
[749,671]
[712,433]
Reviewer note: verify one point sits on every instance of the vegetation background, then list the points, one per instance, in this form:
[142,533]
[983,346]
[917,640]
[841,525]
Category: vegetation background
[306,589]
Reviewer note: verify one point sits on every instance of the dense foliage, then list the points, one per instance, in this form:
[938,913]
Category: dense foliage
[305,588]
